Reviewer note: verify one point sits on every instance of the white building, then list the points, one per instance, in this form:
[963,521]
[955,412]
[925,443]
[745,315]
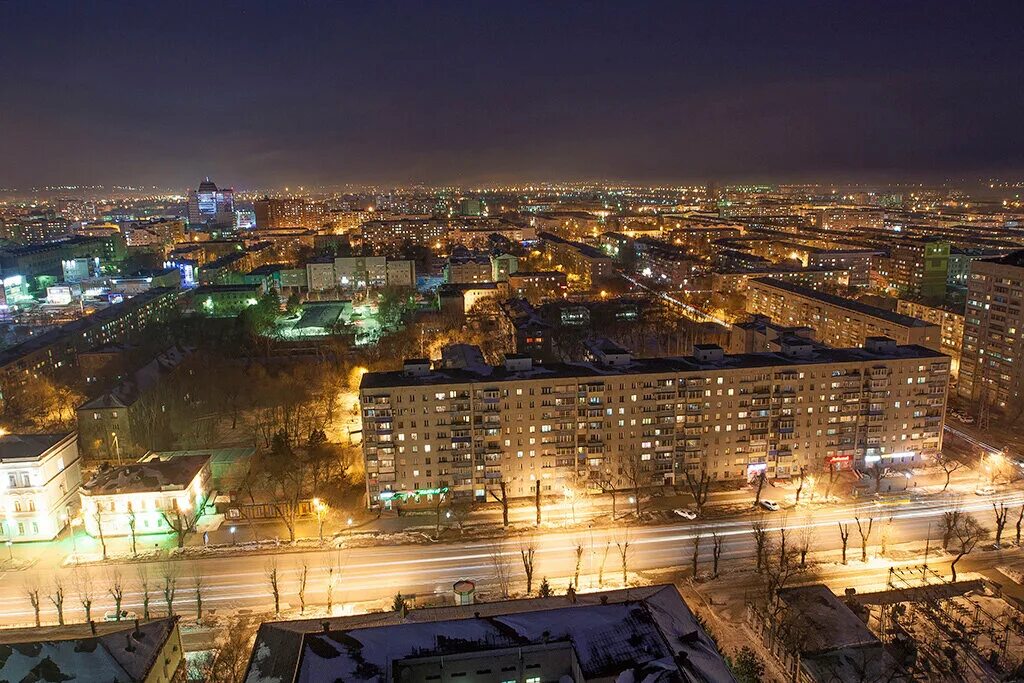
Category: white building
[39,479]
[146,493]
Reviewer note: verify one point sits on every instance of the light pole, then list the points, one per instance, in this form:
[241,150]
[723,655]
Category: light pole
[232,530]
[10,549]
[320,508]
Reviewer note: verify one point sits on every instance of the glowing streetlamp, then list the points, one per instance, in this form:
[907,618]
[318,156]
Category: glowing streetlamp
[320,509]
[232,530]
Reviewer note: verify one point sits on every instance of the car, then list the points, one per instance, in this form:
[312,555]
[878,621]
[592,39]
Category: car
[986,490]
[124,616]
[770,505]
[685,513]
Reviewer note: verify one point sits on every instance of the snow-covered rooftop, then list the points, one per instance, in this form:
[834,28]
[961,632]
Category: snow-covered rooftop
[646,634]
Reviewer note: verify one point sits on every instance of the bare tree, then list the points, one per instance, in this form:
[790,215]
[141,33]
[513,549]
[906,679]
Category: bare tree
[604,561]
[950,520]
[716,552]
[887,531]
[97,516]
[783,549]
[800,487]
[699,487]
[967,533]
[536,500]
[696,553]
[833,475]
[333,566]
[623,547]
[83,587]
[57,598]
[502,499]
[578,550]
[32,591]
[528,551]
[182,521]
[806,540]
[865,536]
[949,465]
[199,581]
[1002,514]
[844,534]
[169,574]
[233,645]
[760,542]
[116,591]
[637,472]
[144,588]
[131,528]
[273,580]
[303,579]
[502,568]
[1020,519]
[761,478]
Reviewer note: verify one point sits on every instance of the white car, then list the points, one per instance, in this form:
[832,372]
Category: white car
[685,514]
[770,505]
[984,490]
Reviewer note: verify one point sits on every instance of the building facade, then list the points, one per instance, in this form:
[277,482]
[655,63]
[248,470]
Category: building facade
[208,205]
[607,424]
[39,479]
[836,321]
[990,362]
[919,268]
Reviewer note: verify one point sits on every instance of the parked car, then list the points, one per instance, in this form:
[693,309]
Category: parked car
[125,616]
[985,490]
[685,513]
[770,505]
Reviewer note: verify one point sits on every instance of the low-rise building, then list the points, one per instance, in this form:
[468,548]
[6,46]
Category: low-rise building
[154,496]
[464,267]
[224,301]
[538,285]
[39,479]
[121,651]
[641,634]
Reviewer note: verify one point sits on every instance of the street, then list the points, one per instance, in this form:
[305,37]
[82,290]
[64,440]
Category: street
[239,582]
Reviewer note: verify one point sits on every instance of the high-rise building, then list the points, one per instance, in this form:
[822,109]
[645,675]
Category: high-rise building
[290,212]
[919,268]
[210,206]
[991,367]
[619,422]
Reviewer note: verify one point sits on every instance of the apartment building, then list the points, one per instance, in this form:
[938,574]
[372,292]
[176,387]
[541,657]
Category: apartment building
[582,263]
[359,272]
[990,361]
[919,268]
[617,420]
[949,320]
[836,321]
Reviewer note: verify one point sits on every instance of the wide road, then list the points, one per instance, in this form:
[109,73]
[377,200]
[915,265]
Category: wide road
[230,583]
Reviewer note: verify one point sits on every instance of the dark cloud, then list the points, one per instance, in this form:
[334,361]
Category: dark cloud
[268,93]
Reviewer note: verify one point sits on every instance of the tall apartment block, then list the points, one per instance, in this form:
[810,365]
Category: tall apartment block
[919,268]
[990,357]
[602,424]
[836,321]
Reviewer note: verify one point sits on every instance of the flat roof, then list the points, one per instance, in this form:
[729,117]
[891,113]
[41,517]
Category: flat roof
[27,446]
[850,304]
[152,475]
[645,366]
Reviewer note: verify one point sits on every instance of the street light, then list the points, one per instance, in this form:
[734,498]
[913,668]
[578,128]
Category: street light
[10,549]
[320,510]
[232,530]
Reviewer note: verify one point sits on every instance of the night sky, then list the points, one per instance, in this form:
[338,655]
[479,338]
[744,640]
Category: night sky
[261,94]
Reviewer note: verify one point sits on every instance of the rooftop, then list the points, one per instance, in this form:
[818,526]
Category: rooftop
[850,304]
[27,446]
[117,652]
[642,366]
[1015,259]
[153,475]
[646,634]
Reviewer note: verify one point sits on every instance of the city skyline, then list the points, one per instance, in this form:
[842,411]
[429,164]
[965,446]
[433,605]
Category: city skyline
[398,94]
